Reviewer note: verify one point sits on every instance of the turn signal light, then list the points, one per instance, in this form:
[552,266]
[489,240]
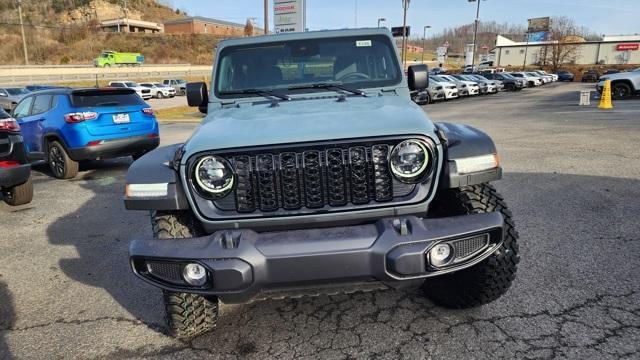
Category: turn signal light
[73,118]
[9,125]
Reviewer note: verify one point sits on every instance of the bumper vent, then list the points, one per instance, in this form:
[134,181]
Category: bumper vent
[468,247]
[170,272]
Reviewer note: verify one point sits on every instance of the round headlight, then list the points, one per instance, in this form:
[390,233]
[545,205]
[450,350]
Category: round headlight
[214,175]
[409,160]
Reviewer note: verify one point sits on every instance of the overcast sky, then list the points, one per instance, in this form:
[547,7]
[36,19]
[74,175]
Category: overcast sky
[610,17]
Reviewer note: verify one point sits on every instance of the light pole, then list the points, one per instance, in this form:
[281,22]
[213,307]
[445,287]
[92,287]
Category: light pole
[266,17]
[475,34]
[424,38]
[381,20]
[24,40]
[405,5]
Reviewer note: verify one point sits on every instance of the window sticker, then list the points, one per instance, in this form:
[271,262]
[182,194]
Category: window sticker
[363,43]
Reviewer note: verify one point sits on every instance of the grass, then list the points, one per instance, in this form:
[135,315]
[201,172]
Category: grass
[181,113]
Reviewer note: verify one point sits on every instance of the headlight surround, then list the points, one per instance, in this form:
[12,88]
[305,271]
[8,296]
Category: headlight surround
[213,176]
[410,160]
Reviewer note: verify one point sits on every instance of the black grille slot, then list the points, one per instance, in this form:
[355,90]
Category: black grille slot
[313,179]
[383,182]
[268,197]
[245,201]
[336,179]
[290,181]
[359,167]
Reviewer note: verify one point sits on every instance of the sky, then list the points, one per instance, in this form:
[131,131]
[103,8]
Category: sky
[610,17]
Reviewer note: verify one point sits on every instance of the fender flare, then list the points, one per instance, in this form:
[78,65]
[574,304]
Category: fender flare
[156,167]
[464,141]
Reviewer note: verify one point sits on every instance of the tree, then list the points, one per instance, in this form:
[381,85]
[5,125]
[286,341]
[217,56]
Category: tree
[564,44]
[248,28]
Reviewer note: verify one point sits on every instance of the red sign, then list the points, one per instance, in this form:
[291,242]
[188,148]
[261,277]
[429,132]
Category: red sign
[625,47]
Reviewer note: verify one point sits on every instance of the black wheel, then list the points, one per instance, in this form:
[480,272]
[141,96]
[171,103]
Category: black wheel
[159,95]
[62,166]
[490,279]
[511,87]
[138,155]
[20,194]
[621,91]
[186,314]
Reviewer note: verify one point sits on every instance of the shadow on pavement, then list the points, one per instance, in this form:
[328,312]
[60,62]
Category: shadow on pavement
[559,216]
[7,319]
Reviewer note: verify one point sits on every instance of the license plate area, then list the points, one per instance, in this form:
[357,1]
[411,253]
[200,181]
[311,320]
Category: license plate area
[121,119]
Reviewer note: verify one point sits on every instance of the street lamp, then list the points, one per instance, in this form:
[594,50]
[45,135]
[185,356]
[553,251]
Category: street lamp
[405,6]
[424,38]
[381,20]
[475,34]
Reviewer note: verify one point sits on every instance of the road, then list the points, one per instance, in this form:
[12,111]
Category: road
[572,179]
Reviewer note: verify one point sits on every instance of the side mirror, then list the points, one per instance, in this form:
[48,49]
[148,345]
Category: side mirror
[198,96]
[418,77]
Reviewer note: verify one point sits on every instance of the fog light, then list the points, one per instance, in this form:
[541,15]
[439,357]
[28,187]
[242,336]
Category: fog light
[195,274]
[440,255]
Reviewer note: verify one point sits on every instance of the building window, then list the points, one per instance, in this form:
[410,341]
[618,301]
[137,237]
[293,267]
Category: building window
[521,51]
[205,29]
[507,52]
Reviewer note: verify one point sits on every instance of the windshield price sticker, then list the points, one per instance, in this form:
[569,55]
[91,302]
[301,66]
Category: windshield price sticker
[363,43]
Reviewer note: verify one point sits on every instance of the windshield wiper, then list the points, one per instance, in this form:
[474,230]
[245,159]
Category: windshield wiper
[265,93]
[328,85]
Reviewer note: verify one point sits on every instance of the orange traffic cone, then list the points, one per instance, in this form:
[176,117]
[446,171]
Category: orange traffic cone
[605,99]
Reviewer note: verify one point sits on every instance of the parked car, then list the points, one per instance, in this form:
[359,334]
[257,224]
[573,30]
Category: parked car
[543,79]
[11,96]
[16,186]
[564,75]
[160,91]
[67,126]
[462,87]
[611,71]
[450,89]
[438,71]
[497,84]
[179,85]
[529,80]
[551,77]
[142,91]
[486,86]
[510,83]
[623,85]
[436,92]
[334,191]
[473,88]
[590,76]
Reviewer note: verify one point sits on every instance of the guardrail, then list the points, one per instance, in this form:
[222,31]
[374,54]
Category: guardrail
[62,75]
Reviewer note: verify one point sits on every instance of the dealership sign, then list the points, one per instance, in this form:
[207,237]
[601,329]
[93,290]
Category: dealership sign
[289,15]
[539,24]
[626,47]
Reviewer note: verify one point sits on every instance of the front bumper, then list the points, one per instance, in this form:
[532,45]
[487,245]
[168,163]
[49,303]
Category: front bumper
[115,148]
[14,176]
[243,264]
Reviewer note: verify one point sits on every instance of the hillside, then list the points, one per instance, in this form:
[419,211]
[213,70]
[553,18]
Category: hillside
[65,32]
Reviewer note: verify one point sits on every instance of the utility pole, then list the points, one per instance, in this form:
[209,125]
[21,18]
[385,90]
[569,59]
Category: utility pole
[266,17]
[126,19]
[475,35]
[526,50]
[24,39]
[381,20]
[424,39]
[405,5]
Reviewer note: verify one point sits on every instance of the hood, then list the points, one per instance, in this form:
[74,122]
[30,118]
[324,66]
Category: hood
[310,120]
[620,75]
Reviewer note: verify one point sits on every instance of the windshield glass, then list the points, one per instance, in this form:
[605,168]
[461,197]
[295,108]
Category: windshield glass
[131,84]
[17,91]
[359,62]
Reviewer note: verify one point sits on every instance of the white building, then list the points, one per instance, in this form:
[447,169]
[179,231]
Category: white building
[620,49]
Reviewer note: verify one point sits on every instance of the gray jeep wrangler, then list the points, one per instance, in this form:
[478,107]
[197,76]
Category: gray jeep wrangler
[314,173]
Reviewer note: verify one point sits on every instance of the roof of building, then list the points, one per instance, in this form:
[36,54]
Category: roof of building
[132,22]
[203,19]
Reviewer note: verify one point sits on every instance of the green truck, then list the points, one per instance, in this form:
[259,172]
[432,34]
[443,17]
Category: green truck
[114,58]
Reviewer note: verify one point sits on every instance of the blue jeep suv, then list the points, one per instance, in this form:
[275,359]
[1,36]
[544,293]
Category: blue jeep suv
[67,126]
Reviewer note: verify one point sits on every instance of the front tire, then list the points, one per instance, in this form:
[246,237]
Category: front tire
[487,281]
[20,194]
[187,315]
[159,95]
[621,91]
[62,166]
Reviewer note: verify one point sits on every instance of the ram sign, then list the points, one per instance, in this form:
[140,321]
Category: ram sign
[289,15]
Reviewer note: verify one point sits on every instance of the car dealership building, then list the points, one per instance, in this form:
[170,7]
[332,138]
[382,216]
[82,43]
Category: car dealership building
[611,50]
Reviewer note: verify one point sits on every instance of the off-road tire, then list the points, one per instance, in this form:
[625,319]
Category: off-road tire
[62,166]
[20,194]
[187,315]
[490,279]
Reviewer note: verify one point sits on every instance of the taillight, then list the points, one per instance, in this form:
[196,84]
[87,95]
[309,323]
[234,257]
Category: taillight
[8,164]
[73,118]
[148,111]
[9,125]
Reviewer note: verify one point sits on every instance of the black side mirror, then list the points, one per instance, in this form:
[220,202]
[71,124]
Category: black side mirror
[418,77]
[198,96]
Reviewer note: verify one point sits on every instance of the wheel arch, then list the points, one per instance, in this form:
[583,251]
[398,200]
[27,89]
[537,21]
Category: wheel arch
[626,82]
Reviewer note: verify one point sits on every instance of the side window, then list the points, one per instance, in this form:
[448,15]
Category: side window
[23,107]
[117,85]
[3,93]
[41,104]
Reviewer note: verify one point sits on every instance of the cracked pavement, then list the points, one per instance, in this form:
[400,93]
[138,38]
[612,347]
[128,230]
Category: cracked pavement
[572,180]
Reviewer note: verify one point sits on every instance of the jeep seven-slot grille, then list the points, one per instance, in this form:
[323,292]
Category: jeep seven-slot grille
[314,178]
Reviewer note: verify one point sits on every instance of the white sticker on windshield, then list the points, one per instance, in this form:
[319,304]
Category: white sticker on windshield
[363,43]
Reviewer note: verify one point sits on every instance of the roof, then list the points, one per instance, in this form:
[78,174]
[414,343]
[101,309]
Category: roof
[502,41]
[131,22]
[203,19]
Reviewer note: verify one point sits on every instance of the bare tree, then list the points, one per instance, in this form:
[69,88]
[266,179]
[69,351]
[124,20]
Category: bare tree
[248,28]
[563,47]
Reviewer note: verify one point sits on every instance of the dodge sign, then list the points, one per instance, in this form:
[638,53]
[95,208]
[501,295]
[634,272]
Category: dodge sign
[289,15]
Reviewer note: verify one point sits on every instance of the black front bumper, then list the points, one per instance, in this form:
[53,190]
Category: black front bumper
[242,264]
[14,176]
[115,148]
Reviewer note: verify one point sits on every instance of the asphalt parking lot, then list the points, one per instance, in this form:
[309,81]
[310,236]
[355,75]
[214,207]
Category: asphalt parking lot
[572,179]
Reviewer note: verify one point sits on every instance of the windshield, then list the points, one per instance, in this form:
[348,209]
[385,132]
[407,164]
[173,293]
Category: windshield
[358,62]
[104,55]
[17,91]
[507,76]
[131,84]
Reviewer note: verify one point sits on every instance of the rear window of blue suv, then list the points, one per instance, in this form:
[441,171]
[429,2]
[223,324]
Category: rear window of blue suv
[98,98]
